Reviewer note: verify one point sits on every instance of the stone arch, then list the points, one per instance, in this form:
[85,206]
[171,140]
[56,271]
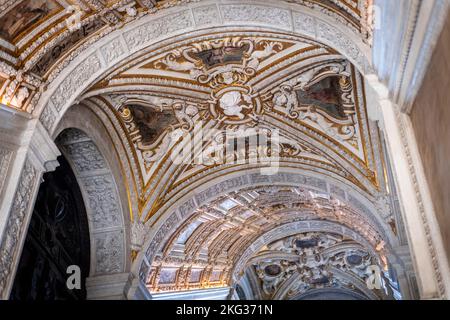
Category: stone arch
[70,81]
[178,211]
[148,31]
[84,143]
[101,197]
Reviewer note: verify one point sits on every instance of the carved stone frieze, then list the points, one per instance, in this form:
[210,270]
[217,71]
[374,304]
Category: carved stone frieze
[74,81]
[256,13]
[85,156]
[109,252]
[14,230]
[152,30]
[102,200]
[5,158]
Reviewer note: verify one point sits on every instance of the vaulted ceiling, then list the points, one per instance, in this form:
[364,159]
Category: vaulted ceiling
[38,37]
[236,86]
[312,265]
[306,91]
[209,223]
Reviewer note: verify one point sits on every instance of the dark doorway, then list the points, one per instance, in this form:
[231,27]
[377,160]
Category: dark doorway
[58,236]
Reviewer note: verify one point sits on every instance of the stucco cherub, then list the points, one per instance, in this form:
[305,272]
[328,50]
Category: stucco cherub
[233,102]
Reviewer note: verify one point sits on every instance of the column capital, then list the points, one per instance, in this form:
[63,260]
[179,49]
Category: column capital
[43,149]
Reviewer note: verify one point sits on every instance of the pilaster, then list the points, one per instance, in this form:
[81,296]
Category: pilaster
[428,255]
[29,152]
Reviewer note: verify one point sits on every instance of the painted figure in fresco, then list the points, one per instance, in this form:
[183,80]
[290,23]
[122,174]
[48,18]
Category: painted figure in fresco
[152,123]
[218,56]
[23,16]
[324,94]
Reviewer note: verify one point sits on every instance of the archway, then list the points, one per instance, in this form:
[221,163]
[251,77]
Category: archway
[232,218]
[103,206]
[81,190]
[57,237]
[83,138]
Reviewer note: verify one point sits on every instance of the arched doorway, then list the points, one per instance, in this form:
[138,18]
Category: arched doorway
[57,237]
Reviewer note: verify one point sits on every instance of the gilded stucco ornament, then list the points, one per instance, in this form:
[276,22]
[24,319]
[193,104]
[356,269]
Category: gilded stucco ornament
[164,97]
[291,266]
[226,66]
[231,80]
[238,218]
